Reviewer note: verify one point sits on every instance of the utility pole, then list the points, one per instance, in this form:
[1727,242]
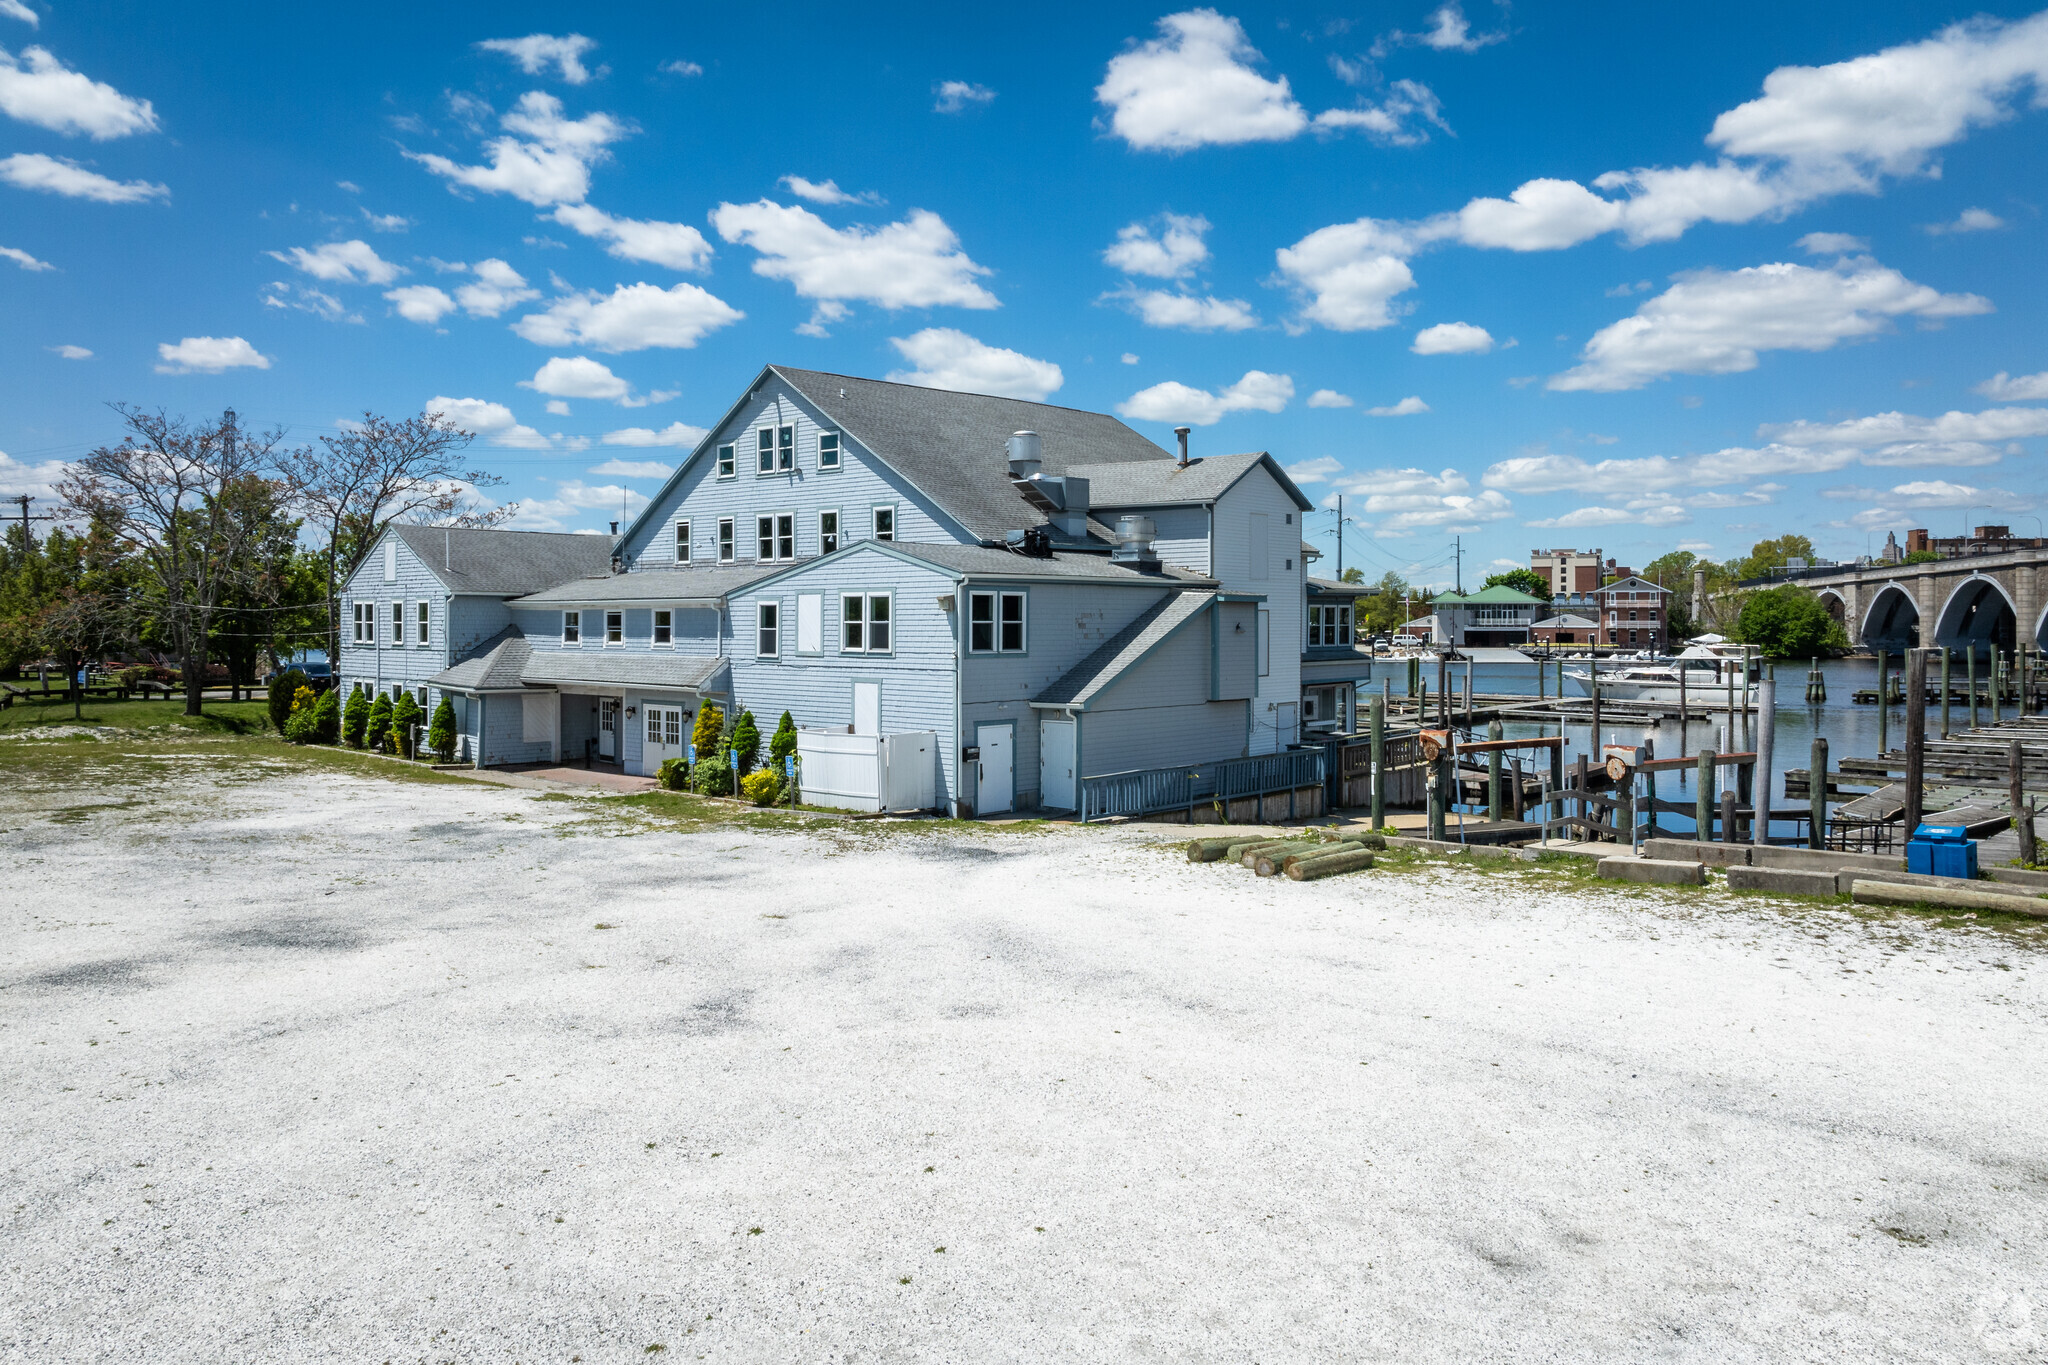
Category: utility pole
[28,543]
[1340,537]
[1458,545]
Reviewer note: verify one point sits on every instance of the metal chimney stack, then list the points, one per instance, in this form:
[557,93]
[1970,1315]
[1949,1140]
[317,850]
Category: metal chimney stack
[1182,432]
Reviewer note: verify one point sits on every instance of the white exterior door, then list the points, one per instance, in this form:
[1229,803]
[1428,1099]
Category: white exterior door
[867,708]
[994,783]
[607,727]
[664,738]
[1056,764]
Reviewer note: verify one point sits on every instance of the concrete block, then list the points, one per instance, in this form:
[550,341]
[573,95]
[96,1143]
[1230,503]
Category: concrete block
[2034,882]
[1787,881]
[1449,846]
[1955,896]
[1825,859]
[1849,876]
[1655,871]
[1692,851]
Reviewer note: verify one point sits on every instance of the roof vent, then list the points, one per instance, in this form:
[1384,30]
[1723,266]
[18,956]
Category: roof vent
[1024,459]
[1034,542]
[1136,546]
[1182,432]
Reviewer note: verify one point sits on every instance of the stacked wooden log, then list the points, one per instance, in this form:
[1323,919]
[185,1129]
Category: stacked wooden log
[1301,859]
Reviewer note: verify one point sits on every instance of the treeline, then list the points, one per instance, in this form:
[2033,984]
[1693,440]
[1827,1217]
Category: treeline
[210,547]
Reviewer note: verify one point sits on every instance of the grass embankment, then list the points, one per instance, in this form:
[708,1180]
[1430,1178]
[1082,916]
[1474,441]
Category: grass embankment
[233,718]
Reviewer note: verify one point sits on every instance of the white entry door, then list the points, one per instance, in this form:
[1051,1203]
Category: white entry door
[994,783]
[608,727]
[1056,764]
[664,738]
[867,708]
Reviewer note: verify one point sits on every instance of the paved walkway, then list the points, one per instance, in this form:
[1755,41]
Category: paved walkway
[554,777]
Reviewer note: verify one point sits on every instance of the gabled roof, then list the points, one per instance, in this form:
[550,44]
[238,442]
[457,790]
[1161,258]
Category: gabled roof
[1498,594]
[1124,650]
[675,672]
[1134,483]
[1565,622]
[951,445]
[688,587]
[503,563]
[987,561]
[1331,587]
[495,669]
[1633,583]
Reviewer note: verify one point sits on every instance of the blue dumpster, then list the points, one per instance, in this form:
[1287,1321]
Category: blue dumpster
[1942,851]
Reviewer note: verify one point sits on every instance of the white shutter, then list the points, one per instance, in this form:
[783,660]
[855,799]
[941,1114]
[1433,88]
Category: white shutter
[810,624]
[536,724]
[390,561]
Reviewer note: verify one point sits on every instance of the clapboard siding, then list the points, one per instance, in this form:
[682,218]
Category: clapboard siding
[472,621]
[698,631]
[1183,532]
[1282,580]
[862,482]
[1160,736]
[383,663]
[504,727]
[917,676]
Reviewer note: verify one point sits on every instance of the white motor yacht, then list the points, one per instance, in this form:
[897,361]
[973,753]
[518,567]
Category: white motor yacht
[1711,675]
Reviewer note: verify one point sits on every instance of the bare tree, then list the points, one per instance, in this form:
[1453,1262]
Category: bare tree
[161,491]
[376,471]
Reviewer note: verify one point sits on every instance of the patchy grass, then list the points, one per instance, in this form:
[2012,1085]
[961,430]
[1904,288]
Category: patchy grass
[23,719]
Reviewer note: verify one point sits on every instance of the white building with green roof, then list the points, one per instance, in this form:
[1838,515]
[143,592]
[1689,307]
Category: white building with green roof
[1498,615]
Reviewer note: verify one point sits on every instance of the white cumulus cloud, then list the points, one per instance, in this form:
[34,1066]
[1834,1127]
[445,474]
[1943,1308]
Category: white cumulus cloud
[1349,274]
[493,423]
[679,434]
[1715,321]
[1195,85]
[915,263]
[2028,388]
[578,376]
[1833,244]
[953,96]
[208,355]
[1396,121]
[421,303]
[56,175]
[1328,398]
[23,259]
[946,358]
[1407,407]
[547,159]
[70,352]
[536,52]
[1188,312]
[1258,391]
[1453,338]
[633,317]
[826,191]
[350,262]
[497,287]
[1904,439]
[37,88]
[1173,253]
[15,9]
[1318,470]
[1448,31]
[1969,220]
[675,245]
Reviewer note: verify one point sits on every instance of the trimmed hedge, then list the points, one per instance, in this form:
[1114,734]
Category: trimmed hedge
[441,731]
[284,691]
[355,718]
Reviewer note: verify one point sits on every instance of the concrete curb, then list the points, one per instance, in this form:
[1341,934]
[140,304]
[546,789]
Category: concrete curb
[1785,881]
[1451,846]
[1946,898]
[1653,871]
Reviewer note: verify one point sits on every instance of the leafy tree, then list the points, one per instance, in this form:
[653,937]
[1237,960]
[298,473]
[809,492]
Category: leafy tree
[255,600]
[377,732]
[441,730]
[405,713]
[1767,555]
[746,742]
[78,626]
[1920,557]
[1385,610]
[1354,574]
[284,687]
[783,745]
[355,719]
[1788,622]
[1521,580]
[327,718]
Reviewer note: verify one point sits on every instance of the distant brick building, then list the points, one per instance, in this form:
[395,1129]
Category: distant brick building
[1571,573]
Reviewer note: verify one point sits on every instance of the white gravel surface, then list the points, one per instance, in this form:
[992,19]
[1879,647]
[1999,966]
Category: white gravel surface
[321,1068]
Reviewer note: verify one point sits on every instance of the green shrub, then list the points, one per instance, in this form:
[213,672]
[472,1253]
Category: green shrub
[704,735]
[405,713]
[355,718]
[711,777]
[763,788]
[283,688]
[441,731]
[746,742]
[299,726]
[783,746]
[326,714]
[378,734]
[674,774]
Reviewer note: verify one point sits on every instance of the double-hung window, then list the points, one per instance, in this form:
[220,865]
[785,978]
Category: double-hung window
[725,545]
[885,523]
[727,463]
[682,542]
[767,629]
[828,532]
[615,627]
[775,535]
[777,449]
[995,623]
[423,620]
[828,451]
[364,620]
[865,622]
[664,627]
[572,627]
[398,623]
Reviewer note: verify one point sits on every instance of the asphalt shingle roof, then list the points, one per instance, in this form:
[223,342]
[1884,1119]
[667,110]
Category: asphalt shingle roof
[682,672]
[705,585]
[982,559]
[494,669]
[1153,484]
[951,445]
[1093,675]
[505,563]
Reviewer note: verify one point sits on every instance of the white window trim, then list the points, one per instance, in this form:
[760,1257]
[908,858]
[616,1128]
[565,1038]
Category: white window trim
[397,618]
[874,519]
[995,598]
[728,540]
[728,460]
[567,618]
[762,628]
[777,450]
[682,541]
[423,624]
[867,622]
[838,452]
[838,529]
[774,520]
[654,628]
[609,642]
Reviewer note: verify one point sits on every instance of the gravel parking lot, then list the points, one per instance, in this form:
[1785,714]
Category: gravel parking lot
[306,1066]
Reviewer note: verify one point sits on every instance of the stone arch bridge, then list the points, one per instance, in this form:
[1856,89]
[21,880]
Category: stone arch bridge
[1998,600]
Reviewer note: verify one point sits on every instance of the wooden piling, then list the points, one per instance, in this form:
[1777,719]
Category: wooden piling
[2015,783]
[1585,806]
[1916,734]
[1493,791]
[1970,677]
[1817,795]
[1378,722]
[1703,798]
[1433,783]
[1884,698]
[1515,791]
[1683,718]
[1944,692]
[1729,821]
[1593,683]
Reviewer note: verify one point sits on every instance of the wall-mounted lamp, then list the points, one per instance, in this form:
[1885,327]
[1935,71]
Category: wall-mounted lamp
[945,601]
[632,711]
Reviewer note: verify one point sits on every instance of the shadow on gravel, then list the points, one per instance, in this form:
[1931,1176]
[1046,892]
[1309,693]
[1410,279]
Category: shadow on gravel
[719,1014]
[115,973]
[303,935]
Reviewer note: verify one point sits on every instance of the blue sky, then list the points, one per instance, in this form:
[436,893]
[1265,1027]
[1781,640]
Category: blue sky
[1635,277]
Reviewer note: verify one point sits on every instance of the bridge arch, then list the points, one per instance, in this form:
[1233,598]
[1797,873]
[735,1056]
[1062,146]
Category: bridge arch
[1837,605]
[1980,615]
[1893,621]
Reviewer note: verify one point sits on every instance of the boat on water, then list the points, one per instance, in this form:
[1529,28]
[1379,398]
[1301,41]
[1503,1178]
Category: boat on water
[1709,673]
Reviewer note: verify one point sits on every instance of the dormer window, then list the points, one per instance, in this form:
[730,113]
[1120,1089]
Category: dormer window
[572,627]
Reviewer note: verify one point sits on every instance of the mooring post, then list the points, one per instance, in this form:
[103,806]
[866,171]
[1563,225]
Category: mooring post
[2015,782]
[1683,718]
[1766,728]
[1817,795]
[1378,721]
[1515,791]
[1493,792]
[1944,692]
[1884,700]
[1970,678]
[1434,782]
[1583,783]
[1593,683]
[1731,831]
[1557,761]
[1650,782]
[1916,735]
[1703,797]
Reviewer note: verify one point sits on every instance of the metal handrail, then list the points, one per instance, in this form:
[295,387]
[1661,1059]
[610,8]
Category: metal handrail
[1142,791]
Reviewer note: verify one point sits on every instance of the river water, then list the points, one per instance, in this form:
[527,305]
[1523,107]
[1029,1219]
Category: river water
[1850,730]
